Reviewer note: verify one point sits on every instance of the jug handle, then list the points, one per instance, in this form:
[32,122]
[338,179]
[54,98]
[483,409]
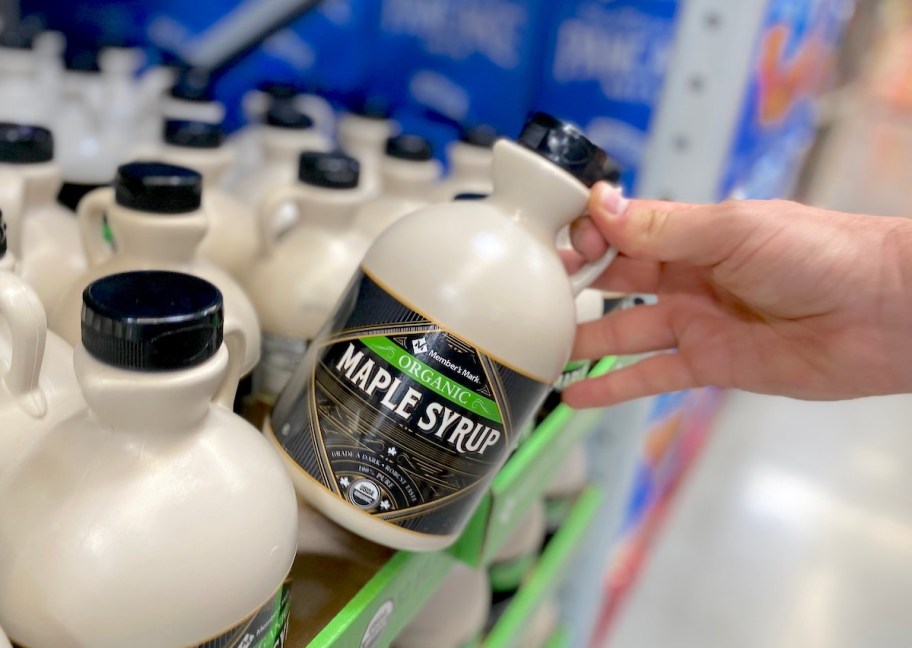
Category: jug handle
[90,216]
[583,278]
[236,343]
[268,210]
[25,316]
[12,203]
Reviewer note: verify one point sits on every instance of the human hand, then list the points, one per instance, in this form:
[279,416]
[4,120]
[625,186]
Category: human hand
[767,296]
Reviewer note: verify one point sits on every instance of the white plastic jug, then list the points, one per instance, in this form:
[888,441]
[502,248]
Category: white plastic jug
[519,551]
[454,615]
[543,624]
[38,386]
[232,241]
[44,236]
[570,478]
[283,135]
[363,133]
[191,98]
[408,173]
[332,565]
[23,95]
[157,222]
[301,275]
[157,517]
[442,349]
[470,160]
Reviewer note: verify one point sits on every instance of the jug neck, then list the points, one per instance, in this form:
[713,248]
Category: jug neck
[332,210]
[364,137]
[211,163]
[170,238]
[284,145]
[405,179]
[537,194]
[41,182]
[17,62]
[163,403]
[469,162]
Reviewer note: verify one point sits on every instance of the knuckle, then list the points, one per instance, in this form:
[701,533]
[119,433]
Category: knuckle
[652,223]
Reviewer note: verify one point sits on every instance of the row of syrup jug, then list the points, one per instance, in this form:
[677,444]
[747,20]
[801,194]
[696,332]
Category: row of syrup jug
[38,387]
[158,221]
[155,459]
[441,349]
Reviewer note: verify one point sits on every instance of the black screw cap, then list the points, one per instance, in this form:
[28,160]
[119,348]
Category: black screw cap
[470,196]
[278,89]
[413,148]
[613,171]
[81,60]
[282,113]
[480,135]
[564,145]
[152,320]
[158,188]
[328,170]
[16,39]
[193,85]
[21,144]
[192,134]
[371,107]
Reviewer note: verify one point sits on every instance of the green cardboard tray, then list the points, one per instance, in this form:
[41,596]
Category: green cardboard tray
[547,576]
[525,476]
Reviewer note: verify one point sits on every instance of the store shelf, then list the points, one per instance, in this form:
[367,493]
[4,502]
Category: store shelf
[525,476]
[387,603]
[560,639]
[548,574]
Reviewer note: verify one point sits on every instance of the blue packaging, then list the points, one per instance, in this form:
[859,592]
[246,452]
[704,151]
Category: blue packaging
[468,60]
[605,69]
[327,50]
[794,49]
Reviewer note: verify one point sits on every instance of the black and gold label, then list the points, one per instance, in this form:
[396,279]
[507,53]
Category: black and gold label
[400,417]
[265,628]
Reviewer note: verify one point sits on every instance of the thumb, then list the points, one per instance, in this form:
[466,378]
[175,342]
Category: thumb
[654,230]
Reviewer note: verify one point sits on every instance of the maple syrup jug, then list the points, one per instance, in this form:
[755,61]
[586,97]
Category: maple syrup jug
[470,163]
[38,387]
[296,283]
[155,518]
[442,348]
[44,236]
[232,242]
[454,616]
[363,133]
[409,173]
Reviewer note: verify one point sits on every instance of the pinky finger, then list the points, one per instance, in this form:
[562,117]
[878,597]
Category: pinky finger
[658,374]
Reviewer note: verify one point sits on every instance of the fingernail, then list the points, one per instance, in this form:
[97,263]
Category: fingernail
[613,201]
[586,240]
